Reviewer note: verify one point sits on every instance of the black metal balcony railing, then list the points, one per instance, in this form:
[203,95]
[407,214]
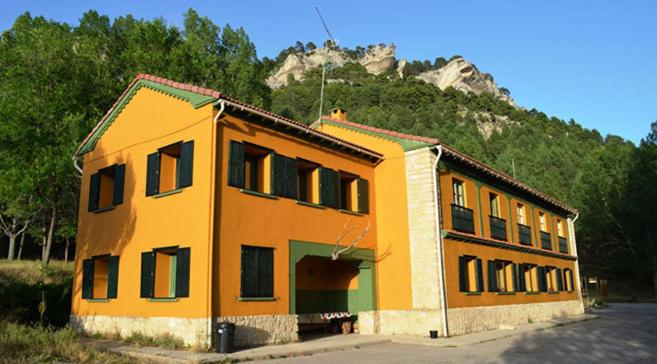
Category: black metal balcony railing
[462,219]
[525,234]
[546,240]
[497,228]
[563,245]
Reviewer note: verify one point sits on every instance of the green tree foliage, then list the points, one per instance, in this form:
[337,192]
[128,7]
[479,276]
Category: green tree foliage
[57,80]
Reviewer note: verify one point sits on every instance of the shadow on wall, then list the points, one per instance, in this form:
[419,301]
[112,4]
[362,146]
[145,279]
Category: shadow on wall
[107,232]
[624,333]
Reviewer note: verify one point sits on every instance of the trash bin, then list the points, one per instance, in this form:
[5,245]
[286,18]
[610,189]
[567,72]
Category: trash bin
[225,336]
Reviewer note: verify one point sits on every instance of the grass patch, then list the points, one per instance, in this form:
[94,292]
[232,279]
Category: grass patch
[30,344]
[34,293]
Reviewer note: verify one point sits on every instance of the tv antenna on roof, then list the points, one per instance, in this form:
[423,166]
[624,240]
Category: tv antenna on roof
[334,43]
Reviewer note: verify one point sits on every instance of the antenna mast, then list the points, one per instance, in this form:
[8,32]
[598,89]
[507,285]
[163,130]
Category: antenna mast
[321,92]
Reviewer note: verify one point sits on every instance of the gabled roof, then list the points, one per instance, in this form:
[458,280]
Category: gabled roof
[201,96]
[410,142]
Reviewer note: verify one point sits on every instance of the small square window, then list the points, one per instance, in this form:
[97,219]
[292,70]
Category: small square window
[254,167]
[100,277]
[165,273]
[470,274]
[170,168]
[504,276]
[106,188]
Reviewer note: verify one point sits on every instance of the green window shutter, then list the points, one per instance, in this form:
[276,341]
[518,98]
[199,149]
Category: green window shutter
[119,183]
[236,164]
[113,277]
[480,276]
[492,276]
[572,282]
[328,187]
[291,177]
[363,196]
[249,274]
[186,164]
[522,287]
[265,272]
[153,174]
[277,174]
[87,278]
[542,279]
[147,274]
[514,277]
[559,280]
[182,272]
[94,192]
[462,275]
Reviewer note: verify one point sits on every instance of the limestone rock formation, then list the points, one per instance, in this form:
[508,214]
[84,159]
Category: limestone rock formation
[379,59]
[464,76]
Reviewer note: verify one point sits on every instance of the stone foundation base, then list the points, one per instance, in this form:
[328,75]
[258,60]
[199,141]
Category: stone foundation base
[263,330]
[192,331]
[472,319]
[399,322]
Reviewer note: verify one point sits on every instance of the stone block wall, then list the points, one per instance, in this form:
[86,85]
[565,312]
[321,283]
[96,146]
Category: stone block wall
[399,322]
[473,319]
[422,229]
[192,331]
[263,330]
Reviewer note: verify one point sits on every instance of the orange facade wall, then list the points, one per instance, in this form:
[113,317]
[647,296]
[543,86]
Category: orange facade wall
[393,246]
[454,249]
[149,121]
[247,219]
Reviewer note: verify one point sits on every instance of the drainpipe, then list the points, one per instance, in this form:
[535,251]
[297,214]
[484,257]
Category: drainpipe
[571,231]
[439,242]
[213,161]
[75,163]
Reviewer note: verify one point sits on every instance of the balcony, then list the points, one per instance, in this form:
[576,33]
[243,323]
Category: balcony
[462,219]
[563,245]
[525,234]
[546,240]
[497,228]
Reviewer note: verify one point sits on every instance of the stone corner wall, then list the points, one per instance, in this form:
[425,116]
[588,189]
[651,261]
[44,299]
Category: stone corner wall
[473,319]
[399,322]
[192,331]
[263,329]
[422,229]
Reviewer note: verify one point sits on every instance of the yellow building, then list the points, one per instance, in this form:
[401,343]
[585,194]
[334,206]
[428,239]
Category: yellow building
[197,208]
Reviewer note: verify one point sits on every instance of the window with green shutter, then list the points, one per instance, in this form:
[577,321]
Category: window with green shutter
[170,168]
[236,164]
[305,186]
[257,272]
[100,277]
[165,273]
[283,176]
[106,188]
[471,278]
[348,191]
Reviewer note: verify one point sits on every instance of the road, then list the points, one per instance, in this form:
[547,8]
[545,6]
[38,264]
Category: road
[625,333]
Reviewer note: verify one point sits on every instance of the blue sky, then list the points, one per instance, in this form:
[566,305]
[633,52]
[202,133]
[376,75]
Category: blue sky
[594,61]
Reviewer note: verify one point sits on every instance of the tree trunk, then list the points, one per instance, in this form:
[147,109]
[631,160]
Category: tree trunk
[12,246]
[20,246]
[45,253]
[68,241]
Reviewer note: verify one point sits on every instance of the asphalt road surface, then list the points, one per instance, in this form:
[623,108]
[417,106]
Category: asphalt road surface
[624,333]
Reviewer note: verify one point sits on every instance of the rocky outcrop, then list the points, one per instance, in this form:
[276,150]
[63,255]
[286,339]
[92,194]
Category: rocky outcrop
[464,76]
[457,73]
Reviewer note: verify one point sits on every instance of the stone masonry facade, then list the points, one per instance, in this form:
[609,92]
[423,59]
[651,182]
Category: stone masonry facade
[473,319]
[422,229]
[263,329]
[192,331]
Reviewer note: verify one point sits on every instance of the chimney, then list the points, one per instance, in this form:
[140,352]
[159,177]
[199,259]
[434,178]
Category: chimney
[338,113]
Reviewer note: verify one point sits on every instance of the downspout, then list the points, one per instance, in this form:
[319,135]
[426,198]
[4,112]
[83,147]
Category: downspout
[213,163]
[571,231]
[75,163]
[439,242]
